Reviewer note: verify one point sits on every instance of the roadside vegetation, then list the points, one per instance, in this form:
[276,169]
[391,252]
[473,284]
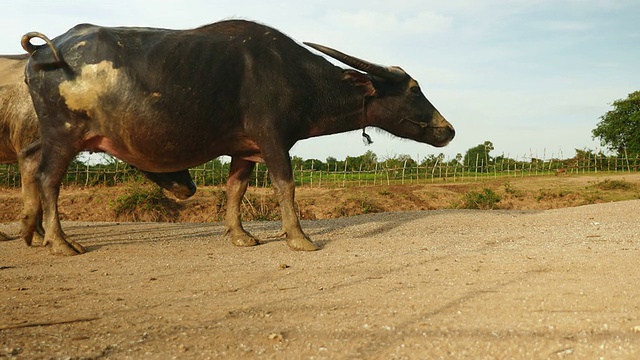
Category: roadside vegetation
[142,201]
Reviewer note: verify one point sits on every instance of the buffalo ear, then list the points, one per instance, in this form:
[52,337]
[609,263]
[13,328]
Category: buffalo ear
[360,79]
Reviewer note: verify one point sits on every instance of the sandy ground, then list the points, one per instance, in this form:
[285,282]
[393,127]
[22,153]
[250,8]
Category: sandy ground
[464,284]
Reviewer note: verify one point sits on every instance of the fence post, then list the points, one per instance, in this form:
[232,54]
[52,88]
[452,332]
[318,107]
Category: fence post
[375,174]
[257,170]
[386,168]
[455,170]
[588,164]
[477,158]
[344,175]
[433,171]
[213,174]
[626,156]
[311,173]
[446,170]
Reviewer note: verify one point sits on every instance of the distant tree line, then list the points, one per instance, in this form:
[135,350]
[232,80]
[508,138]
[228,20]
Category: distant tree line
[364,169]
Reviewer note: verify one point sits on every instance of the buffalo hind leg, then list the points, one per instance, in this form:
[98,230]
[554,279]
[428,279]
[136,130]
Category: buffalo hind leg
[31,217]
[53,166]
[236,187]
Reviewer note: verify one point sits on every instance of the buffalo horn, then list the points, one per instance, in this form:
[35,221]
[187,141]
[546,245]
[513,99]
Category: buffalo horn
[391,73]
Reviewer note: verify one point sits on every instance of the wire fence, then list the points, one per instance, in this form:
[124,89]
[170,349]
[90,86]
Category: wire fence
[345,174]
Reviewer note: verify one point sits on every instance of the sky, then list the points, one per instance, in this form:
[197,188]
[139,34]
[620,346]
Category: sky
[531,76]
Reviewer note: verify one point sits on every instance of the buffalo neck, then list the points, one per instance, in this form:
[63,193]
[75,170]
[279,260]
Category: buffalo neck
[341,110]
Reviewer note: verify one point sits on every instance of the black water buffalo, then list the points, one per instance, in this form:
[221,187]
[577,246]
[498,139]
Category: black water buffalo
[164,100]
[19,136]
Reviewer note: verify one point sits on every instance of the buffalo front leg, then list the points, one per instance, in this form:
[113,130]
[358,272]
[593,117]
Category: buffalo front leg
[282,179]
[49,178]
[236,187]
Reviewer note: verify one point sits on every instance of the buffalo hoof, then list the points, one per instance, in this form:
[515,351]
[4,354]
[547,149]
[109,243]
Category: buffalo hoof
[5,237]
[66,248]
[36,240]
[244,240]
[302,244]
[28,239]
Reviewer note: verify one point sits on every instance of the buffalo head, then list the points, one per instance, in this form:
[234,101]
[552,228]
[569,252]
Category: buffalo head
[394,101]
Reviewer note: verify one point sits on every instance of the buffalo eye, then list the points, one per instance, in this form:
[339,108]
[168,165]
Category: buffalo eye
[415,91]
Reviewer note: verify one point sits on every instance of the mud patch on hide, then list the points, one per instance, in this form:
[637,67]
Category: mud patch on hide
[95,81]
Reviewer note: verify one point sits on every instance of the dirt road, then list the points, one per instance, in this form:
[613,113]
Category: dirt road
[427,284]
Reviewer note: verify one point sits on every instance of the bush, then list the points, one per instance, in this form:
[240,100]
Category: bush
[259,207]
[609,184]
[552,194]
[487,199]
[143,202]
[512,191]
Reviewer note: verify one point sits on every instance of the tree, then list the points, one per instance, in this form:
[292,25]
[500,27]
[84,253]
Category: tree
[296,162]
[432,160]
[313,164]
[479,153]
[369,160]
[406,159]
[398,161]
[619,129]
[366,161]
[332,163]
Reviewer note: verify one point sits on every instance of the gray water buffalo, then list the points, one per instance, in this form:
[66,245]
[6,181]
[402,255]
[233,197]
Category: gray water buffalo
[18,129]
[19,143]
[164,100]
